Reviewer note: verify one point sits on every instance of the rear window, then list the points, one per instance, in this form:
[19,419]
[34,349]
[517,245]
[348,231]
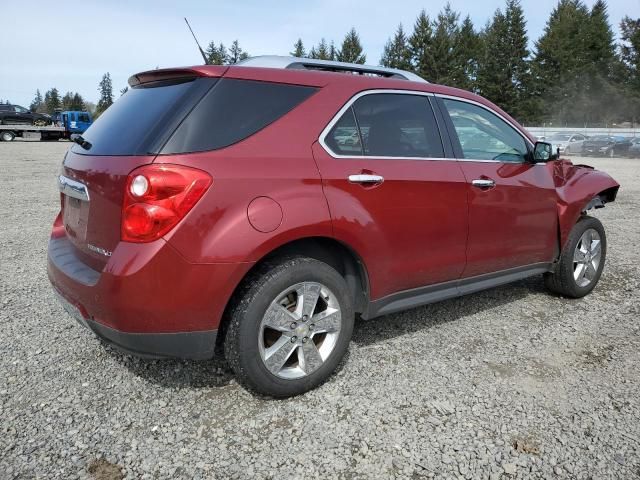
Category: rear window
[142,119]
[232,111]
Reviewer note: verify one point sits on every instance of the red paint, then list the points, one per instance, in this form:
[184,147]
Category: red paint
[265,214]
[424,224]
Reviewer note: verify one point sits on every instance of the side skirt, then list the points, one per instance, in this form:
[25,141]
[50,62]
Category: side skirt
[455,288]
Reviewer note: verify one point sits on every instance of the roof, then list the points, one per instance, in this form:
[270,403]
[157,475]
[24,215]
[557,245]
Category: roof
[275,61]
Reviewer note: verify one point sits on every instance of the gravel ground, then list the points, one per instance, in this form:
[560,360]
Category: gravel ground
[509,383]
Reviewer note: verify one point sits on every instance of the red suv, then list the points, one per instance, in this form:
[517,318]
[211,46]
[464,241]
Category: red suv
[256,209]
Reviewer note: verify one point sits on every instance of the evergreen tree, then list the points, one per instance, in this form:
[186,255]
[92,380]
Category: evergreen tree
[124,90]
[468,51]
[52,100]
[444,66]
[236,54]
[628,71]
[420,46]
[37,103]
[106,93]
[503,71]
[216,54]
[351,50]
[575,66]
[321,52]
[396,51]
[298,49]
[333,53]
[630,45]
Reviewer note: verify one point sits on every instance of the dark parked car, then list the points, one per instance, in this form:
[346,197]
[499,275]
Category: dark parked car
[17,115]
[232,216]
[606,146]
[634,149]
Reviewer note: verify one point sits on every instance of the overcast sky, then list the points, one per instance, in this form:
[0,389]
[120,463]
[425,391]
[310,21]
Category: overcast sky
[70,47]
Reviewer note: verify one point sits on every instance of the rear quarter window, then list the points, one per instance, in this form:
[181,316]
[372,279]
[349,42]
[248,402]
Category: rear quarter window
[232,111]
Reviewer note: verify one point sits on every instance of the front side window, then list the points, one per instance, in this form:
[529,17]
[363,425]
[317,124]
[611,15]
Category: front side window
[21,109]
[387,125]
[485,136]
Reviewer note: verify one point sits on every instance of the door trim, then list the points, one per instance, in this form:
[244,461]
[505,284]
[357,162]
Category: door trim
[417,297]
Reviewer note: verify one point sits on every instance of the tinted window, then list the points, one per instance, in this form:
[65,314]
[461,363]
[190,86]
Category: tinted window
[84,117]
[483,135]
[397,125]
[4,107]
[344,138]
[142,118]
[232,111]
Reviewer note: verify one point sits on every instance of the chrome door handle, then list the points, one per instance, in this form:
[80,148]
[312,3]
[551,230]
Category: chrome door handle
[365,178]
[483,183]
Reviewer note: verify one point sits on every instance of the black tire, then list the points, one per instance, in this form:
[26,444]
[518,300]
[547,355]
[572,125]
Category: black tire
[7,136]
[562,280]
[244,317]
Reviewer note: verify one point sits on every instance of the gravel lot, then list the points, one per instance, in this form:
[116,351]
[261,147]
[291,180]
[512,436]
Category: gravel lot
[509,383]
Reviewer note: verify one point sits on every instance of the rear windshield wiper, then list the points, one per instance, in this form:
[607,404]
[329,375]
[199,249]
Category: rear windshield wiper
[81,141]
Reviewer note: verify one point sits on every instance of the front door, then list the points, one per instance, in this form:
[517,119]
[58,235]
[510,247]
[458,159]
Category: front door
[513,219]
[392,195]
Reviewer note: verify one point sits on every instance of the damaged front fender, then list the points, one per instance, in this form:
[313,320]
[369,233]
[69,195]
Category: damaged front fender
[580,188]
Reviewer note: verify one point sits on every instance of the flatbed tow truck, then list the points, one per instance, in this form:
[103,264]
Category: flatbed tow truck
[47,133]
[64,124]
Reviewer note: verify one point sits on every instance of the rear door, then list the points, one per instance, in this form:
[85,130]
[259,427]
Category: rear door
[512,202]
[392,193]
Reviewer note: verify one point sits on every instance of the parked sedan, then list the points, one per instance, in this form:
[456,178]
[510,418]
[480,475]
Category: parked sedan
[606,146]
[567,143]
[634,149]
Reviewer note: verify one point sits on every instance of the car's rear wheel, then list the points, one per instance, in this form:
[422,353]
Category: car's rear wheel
[289,327]
[7,136]
[581,261]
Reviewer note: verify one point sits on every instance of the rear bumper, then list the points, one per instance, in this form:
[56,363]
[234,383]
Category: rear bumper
[147,300]
[189,345]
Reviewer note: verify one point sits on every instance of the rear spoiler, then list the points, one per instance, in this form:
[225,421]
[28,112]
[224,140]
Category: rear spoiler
[176,74]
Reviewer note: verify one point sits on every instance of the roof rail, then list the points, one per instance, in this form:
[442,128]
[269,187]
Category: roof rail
[276,61]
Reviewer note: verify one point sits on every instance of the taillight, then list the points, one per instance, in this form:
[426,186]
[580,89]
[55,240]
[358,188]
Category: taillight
[157,197]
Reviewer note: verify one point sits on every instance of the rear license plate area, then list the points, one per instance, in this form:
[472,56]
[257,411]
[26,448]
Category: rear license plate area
[75,215]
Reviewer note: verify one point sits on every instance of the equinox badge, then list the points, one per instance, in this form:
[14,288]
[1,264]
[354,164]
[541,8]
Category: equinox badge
[99,250]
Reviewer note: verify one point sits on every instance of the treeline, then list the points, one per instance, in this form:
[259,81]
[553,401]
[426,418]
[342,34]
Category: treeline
[52,100]
[575,75]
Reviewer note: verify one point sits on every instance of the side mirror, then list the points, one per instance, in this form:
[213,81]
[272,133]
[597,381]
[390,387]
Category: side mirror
[543,152]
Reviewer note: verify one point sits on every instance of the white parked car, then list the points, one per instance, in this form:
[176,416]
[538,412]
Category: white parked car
[567,143]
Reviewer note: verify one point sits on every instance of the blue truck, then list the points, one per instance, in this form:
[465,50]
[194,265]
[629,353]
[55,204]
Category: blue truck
[64,124]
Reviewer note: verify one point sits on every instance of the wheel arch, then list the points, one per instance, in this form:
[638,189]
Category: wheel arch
[333,252]
[581,190]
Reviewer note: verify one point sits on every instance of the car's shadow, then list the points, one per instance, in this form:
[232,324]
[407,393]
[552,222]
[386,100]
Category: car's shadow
[216,372]
[368,332]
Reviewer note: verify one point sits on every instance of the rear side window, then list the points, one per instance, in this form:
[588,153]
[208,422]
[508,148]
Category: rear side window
[232,111]
[390,125]
[344,137]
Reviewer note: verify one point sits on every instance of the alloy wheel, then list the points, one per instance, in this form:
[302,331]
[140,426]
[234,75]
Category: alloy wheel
[586,257]
[299,330]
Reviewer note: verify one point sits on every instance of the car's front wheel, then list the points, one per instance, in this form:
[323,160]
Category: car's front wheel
[581,261]
[289,326]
